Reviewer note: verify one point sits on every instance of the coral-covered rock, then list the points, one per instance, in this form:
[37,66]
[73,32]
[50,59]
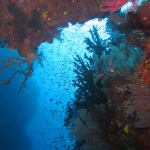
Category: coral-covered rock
[39,20]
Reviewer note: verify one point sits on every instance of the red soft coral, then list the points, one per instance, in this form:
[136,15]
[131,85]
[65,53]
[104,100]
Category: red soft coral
[114,5]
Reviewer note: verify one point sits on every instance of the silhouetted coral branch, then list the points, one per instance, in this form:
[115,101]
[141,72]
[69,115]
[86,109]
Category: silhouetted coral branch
[11,61]
[17,62]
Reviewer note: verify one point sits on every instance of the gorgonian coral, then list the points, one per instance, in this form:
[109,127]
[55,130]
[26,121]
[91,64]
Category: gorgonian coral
[21,65]
[138,105]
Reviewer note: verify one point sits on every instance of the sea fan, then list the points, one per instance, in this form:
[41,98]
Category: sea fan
[138,106]
[87,129]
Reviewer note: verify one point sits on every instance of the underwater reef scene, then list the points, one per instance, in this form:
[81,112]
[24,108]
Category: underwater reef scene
[112,102]
[111,105]
[111,108]
[25,25]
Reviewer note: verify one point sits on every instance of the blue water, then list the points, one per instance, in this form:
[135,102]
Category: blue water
[33,120]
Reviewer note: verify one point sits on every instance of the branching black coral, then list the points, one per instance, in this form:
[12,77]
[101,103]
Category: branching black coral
[85,82]
[95,45]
